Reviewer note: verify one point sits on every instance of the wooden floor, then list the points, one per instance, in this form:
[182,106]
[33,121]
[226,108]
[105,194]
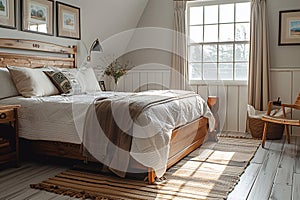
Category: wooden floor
[274,173]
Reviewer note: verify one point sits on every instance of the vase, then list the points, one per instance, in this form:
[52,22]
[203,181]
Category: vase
[115,86]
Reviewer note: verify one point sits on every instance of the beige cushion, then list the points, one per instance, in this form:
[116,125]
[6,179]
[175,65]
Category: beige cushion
[32,82]
[7,87]
[60,81]
[88,80]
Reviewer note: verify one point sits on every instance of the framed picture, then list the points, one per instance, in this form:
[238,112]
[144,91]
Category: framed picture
[102,85]
[37,16]
[289,27]
[8,13]
[68,21]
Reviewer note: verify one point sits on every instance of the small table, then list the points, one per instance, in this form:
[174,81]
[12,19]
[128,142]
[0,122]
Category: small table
[213,104]
[9,144]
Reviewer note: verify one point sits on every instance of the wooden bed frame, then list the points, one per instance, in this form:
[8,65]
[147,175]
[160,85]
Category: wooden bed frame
[184,139]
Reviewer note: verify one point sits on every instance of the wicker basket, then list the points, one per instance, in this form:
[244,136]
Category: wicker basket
[256,126]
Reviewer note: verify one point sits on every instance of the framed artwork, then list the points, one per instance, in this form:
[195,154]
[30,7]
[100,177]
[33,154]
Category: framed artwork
[37,16]
[8,14]
[102,85]
[289,27]
[68,21]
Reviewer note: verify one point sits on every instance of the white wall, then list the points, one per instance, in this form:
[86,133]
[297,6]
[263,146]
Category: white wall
[286,85]
[105,18]
[281,56]
[158,14]
[285,60]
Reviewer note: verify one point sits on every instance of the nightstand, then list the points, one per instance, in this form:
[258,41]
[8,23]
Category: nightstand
[213,104]
[9,137]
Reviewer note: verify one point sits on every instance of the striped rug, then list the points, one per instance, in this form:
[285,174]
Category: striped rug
[209,172]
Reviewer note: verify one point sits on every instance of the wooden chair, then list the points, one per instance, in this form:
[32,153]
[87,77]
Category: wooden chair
[282,120]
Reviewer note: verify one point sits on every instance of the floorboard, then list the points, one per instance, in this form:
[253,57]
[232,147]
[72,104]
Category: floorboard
[297,160]
[296,187]
[286,165]
[281,191]
[243,188]
[16,185]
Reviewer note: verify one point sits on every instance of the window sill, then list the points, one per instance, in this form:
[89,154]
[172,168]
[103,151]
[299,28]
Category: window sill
[217,82]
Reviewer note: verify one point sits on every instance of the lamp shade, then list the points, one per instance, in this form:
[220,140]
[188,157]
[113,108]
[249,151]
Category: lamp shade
[96,46]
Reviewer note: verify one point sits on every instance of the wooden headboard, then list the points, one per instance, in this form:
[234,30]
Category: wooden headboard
[59,56]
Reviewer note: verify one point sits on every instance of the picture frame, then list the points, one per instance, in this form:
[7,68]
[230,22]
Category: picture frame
[289,27]
[68,21]
[8,14]
[102,85]
[37,16]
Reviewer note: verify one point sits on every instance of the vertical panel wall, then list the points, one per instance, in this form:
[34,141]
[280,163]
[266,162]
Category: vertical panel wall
[285,83]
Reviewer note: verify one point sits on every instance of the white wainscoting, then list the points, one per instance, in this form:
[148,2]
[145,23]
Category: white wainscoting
[285,83]
[232,98]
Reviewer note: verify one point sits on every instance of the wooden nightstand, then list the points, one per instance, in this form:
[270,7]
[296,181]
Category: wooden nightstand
[213,104]
[9,137]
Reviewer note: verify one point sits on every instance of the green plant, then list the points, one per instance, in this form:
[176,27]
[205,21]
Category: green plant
[116,69]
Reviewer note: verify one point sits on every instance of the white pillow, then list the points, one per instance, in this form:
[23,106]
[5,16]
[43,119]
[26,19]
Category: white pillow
[7,86]
[88,80]
[32,82]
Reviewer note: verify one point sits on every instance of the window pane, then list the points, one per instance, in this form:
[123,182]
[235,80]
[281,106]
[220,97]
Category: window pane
[196,34]
[242,12]
[211,14]
[225,71]
[241,52]
[226,13]
[195,71]
[210,53]
[242,32]
[210,71]
[241,71]
[226,32]
[211,33]
[195,54]
[196,15]
[218,47]
[226,53]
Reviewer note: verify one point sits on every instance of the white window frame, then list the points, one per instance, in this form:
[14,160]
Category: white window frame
[207,3]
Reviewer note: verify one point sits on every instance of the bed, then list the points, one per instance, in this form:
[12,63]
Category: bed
[184,138]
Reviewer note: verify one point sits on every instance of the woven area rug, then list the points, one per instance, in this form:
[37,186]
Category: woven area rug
[233,134]
[209,172]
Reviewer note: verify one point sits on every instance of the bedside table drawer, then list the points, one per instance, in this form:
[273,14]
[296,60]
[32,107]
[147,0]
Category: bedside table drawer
[7,115]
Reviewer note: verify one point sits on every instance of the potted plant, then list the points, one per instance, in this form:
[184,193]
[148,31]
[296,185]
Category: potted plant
[116,70]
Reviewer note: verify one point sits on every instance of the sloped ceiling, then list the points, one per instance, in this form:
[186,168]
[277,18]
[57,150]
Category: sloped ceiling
[104,18]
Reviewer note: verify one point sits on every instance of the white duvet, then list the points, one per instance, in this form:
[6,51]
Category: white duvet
[61,118]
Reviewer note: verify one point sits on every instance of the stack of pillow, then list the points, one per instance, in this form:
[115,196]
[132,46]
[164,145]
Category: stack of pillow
[46,81]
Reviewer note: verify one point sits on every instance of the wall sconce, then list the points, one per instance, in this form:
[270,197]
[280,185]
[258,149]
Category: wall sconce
[96,46]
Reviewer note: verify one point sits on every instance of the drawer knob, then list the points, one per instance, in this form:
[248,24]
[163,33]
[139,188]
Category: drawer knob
[2,116]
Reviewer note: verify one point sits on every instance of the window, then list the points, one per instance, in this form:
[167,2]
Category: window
[219,35]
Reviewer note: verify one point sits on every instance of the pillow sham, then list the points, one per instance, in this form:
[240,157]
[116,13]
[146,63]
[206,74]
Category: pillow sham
[7,86]
[88,80]
[60,81]
[32,82]
[82,80]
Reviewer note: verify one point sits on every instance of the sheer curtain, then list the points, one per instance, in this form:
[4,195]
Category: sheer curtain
[259,65]
[179,61]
